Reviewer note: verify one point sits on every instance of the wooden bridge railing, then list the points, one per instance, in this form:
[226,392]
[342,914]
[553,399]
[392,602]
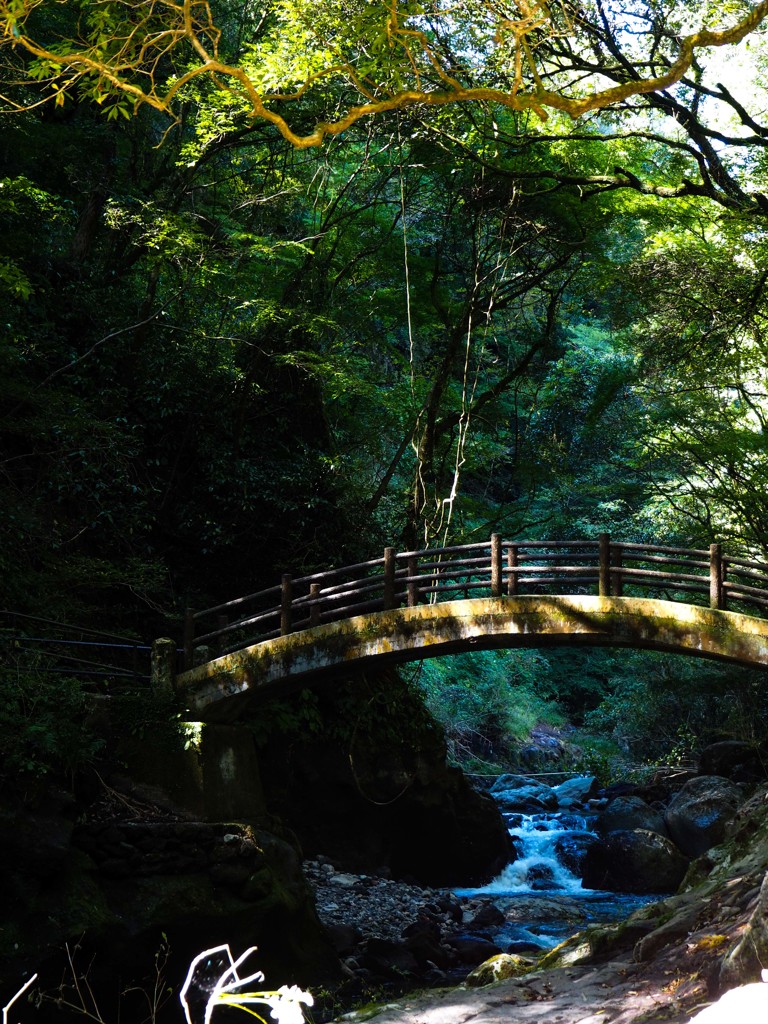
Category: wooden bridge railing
[486,569]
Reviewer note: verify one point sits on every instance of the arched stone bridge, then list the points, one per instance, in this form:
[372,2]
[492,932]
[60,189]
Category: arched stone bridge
[497,594]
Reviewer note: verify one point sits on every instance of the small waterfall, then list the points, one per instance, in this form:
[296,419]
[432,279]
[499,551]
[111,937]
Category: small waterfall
[538,869]
[539,893]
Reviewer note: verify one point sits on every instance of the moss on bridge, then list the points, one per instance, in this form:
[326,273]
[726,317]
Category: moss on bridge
[221,688]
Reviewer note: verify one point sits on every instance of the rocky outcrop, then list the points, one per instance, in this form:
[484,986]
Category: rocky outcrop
[698,814]
[572,851]
[576,792]
[746,959]
[369,787]
[740,867]
[125,891]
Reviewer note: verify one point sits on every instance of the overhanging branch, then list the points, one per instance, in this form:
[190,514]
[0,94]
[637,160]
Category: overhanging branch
[131,64]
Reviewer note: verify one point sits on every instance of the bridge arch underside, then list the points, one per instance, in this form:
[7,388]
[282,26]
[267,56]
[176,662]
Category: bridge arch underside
[224,688]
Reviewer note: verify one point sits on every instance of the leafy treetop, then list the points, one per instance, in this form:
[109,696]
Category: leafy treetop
[352,59]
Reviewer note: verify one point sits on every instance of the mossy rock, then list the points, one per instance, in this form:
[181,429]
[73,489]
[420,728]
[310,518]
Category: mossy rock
[499,968]
[574,950]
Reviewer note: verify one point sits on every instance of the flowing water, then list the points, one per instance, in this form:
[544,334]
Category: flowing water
[542,899]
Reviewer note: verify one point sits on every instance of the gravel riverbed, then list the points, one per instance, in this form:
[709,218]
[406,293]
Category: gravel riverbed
[378,907]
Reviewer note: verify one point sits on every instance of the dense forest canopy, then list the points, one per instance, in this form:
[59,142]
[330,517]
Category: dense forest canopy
[225,355]
[227,352]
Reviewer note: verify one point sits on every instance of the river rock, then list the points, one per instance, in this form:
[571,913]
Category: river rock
[488,916]
[682,923]
[572,849]
[499,968]
[545,908]
[634,860]
[510,781]
[423,938]
[736,760]
[345,938]
[541,877]
[345,880]
[575,792]
[387,958]
[523,794]
[630,812]
[473,949]
[698,814]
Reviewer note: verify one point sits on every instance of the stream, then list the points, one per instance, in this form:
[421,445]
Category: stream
[541,898]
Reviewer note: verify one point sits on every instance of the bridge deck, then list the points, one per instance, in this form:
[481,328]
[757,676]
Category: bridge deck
[224,687]
[492,568]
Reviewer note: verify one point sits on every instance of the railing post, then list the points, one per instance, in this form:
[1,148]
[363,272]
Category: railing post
[604,570]
[617,579]
[189,638]
[716,576]
[286,596]
[163,667]
[495,565]
[413,586]
[389,578]
[512,565]
[314,604]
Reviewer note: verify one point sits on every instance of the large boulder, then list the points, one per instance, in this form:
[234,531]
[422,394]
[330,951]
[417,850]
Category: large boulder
[472,949]
[555,909]
[698,814]
[634,860]
[630,812]
[521,793]
[736,760]
[388,958]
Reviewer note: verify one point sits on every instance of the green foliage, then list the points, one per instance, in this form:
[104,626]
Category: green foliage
[488,700]
[631,708]
[13,281]
[299,716]
[43,726]
[222,359]
[357,715]
[665,708]
[599,755]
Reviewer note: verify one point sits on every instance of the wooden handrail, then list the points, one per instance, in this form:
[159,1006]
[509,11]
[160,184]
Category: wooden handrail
[493,568]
